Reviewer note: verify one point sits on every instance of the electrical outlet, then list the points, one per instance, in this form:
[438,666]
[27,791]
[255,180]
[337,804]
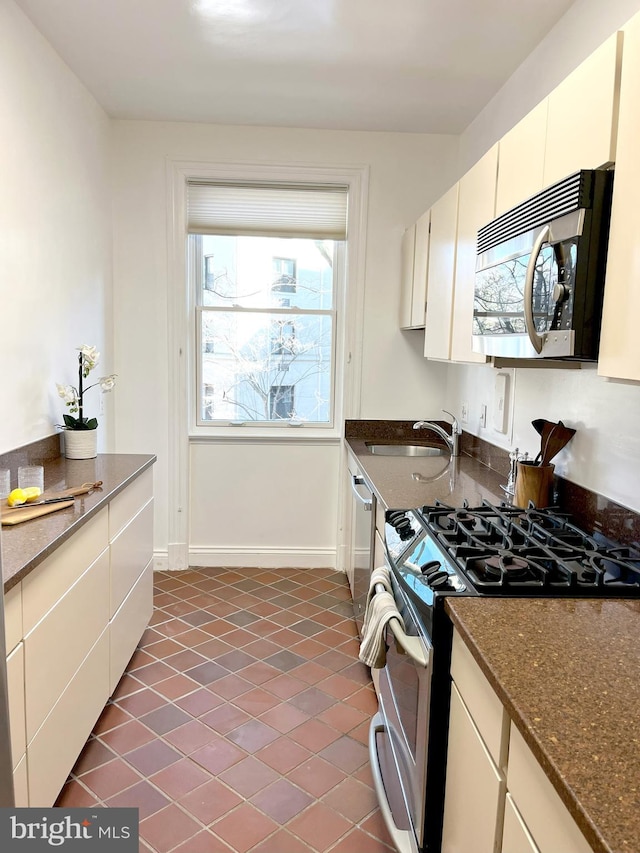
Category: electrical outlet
[483,415]
[464,413]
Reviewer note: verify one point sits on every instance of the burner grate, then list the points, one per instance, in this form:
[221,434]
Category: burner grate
[508,550]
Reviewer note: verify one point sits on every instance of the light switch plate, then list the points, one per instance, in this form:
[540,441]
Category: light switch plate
[500,411]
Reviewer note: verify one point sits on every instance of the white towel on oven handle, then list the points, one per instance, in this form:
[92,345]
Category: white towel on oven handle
[379,575]
[373,649]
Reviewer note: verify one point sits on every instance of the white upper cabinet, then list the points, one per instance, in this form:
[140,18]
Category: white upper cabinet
[574,128]
[476,207]
[420,270]
[406,275]
[582,115]
[619,355]
[415,258]
[521,160]
[441,271]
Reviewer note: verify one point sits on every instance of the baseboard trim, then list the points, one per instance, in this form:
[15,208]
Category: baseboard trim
[264,558]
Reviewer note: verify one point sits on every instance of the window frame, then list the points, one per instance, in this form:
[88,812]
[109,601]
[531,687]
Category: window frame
[195,284]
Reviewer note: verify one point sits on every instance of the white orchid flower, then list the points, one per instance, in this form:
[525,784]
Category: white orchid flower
[90,357]
[67,392]
[107,382]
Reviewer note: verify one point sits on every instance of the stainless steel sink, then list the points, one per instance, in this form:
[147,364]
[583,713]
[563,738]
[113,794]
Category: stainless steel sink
[405,450]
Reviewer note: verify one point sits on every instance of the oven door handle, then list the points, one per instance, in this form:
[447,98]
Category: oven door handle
[411,646]
[536,340]
[403,840]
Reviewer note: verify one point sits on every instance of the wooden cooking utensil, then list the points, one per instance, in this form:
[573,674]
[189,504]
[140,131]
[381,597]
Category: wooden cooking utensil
[546,430]
[558,438]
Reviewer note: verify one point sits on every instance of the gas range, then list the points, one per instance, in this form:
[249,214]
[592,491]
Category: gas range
[501,550]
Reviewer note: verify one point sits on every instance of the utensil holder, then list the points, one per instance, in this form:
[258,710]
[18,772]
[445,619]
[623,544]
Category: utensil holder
[533,483]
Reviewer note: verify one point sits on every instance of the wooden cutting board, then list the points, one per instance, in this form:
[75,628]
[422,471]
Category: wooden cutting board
[25,512]
[18,514]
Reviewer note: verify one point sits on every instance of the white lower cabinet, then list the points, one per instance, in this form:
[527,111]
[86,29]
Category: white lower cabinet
[498,798]
[543,812]
[516,838]
[60,642]
[21,785]
[475,788]
[60,739]
[15,690]
[128,625]
[71,628]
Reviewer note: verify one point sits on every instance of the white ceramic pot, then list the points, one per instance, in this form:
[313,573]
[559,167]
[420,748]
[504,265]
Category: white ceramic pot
[80,443]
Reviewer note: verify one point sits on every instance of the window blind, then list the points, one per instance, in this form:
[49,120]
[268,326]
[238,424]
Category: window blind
[267,210]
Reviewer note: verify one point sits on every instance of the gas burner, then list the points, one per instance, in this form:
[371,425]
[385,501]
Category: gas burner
[514,566]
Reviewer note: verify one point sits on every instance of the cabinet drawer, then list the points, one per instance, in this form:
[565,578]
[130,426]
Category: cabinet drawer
[51,579]
[131,550]
[516,838]
[129,502]
[15,689]
[484,706]
[21,784]
[128,625]
[13,617]
[474,796]
[545,815]
[58,743]
[59,643]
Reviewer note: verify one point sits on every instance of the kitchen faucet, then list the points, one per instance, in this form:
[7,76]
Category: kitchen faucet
[452,441]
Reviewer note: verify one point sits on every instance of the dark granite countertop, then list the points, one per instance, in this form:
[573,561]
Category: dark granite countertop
[567,672]
[401,482]
[25,545]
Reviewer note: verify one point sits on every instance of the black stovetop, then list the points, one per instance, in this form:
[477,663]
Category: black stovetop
[504,550]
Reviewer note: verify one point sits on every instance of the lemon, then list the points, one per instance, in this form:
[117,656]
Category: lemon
[21,496]
[16,497]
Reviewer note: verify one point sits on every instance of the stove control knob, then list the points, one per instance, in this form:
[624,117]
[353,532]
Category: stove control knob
[438,580]
[430,568]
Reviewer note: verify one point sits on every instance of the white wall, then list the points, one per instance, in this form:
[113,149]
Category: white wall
[605,453]
[407,171]
[55,232]
[584,27]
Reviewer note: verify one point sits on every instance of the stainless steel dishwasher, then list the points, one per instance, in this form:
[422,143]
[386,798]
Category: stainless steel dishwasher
[362,540]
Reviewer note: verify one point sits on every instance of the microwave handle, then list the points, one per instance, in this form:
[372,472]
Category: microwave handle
[536,340]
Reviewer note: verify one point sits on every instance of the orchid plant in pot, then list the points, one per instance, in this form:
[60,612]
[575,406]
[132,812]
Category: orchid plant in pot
[80,432]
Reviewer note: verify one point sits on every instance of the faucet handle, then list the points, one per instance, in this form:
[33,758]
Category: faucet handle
[456,429]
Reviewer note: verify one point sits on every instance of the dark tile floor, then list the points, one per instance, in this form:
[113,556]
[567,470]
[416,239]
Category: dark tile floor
[241,722]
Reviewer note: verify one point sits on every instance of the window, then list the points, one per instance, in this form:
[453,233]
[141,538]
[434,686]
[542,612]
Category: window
[266,296]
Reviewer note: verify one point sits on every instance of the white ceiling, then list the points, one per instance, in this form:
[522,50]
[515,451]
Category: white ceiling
[398,65]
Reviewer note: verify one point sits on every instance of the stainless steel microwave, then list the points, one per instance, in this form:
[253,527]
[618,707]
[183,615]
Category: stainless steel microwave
[540,272]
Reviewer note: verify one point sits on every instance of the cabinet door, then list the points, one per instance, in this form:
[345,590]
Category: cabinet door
[516,838]
[406,276]
[619,355]
[521,160]
[420,271]
[546,816]
[441,270]
[476,207]
[582,119]
[475,789]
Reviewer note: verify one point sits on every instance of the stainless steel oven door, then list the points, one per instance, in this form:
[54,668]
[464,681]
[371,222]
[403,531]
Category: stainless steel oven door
[398,738]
